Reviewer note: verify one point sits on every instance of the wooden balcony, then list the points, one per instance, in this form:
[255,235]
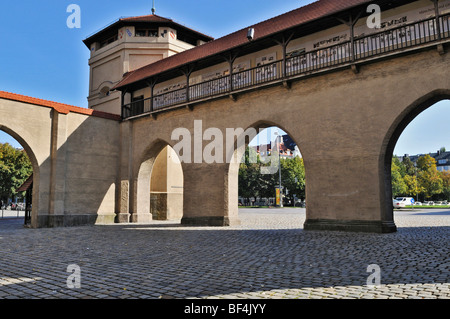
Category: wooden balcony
[386,44]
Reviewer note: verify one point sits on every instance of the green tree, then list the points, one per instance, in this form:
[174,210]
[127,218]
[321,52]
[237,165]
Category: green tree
[410,169]
[15,168]
[253,183]
[293,177]
[429,179]
[248,175]
[412,185]
[445,176]
[399,187]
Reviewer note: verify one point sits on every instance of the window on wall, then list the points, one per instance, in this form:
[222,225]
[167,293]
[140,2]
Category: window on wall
[108,41]
[153,33]
[186,38]
[104,91]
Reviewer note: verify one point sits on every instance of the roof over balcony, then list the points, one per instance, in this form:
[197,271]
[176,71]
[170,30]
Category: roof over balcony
[319,15]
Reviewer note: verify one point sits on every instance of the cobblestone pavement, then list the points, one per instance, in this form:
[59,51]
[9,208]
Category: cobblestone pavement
[268,256]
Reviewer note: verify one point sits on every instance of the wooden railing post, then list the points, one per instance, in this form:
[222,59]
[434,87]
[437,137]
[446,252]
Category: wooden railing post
[230,59]
[437,16]
[151,84]
[351,24]
[187,72]
[122,102]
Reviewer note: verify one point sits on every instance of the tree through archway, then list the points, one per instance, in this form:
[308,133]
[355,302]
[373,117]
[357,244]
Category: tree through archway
[419,168]
[259,185]
[16,179]
[421,162]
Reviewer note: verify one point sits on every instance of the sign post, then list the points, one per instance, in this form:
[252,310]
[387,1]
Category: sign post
[278,195]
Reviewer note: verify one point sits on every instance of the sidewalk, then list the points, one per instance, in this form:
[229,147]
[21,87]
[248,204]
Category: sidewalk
[268,256]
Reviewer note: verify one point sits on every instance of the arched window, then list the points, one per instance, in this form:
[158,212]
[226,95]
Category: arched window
[104,91]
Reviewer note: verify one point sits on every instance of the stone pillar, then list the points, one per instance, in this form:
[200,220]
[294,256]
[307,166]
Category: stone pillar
[140,195]
[207,194]
[347,194]
[123,193]
[56,207]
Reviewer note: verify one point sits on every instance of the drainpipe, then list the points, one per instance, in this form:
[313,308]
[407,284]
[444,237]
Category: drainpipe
[437,16]
[122,102]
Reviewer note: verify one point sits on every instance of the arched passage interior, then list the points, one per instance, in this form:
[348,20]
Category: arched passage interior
[30,183]
[265,158]
[438,100]
[159,194]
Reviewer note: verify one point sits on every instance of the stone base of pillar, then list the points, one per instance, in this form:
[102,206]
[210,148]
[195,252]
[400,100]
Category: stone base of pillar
[44,221]
[210,221]
[106,219]
[351,225]
[122,218]
[141,218]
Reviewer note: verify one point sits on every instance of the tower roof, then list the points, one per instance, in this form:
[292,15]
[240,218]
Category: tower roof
[145,20]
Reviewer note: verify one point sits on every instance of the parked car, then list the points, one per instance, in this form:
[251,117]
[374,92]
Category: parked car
[300,203]
[400,202]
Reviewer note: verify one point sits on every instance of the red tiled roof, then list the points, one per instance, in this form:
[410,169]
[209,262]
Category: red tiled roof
[146,18]
[305,14]
[59,107]
[157,19]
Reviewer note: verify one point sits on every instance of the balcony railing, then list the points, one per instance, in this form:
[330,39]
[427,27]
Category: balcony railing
[361,48]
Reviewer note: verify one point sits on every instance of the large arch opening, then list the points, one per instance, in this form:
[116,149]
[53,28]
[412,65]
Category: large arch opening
[19,174]
[159,193]
[267,171]
[417,161]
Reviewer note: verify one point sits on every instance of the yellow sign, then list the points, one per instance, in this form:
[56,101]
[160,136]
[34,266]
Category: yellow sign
[277,196]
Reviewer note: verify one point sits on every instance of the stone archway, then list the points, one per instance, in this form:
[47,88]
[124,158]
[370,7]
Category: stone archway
[158,193]
[235,155]
[35,175]
[392,136]
[166,186]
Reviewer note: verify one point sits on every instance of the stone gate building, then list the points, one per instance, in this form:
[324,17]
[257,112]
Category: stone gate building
[342,87]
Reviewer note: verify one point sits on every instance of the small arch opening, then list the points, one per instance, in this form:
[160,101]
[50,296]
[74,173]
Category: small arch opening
[18,175]
[159,194]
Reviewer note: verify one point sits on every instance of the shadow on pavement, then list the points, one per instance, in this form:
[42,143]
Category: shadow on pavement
[172,261]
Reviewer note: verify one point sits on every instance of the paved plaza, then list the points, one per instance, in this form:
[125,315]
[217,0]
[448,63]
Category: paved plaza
[268,256]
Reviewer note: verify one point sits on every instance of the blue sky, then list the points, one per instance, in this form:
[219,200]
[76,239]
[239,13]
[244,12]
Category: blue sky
[41,57]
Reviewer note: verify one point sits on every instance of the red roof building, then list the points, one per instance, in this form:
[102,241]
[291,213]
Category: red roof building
[322,13]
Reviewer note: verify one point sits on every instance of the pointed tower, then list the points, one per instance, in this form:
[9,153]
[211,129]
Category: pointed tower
[129,44]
